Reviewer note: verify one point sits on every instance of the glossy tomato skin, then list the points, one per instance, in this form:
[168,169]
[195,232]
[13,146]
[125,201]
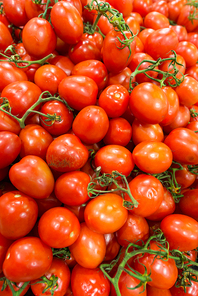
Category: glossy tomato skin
[119,58]
[92,280]
[95,124]
[4,245]
[156,20]
[105,213]
[152,291]
[181,232]
[163,272]
[78,91]
[190,291]
[188,51]
[183,144]
[8,292]
[41,183]
[173,105]
[10,146]
[18,214]
[112,247]
[148,103]
[21,96]
[148,192]
[142,7]
[59,269]
[89,249]
[122,78]
[27,259]
[34,141]
[62,62]
[6,37]
[71,188]
[188,203]
[67,22]
[187,91]
[114,158]
[15,12]
[66,153]
[152,157]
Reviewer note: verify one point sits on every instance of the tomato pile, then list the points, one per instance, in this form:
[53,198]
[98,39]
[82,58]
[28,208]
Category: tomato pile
[98,147]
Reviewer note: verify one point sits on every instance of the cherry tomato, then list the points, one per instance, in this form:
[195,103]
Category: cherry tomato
[181,119]
[181,232]
[27,259]
[63,63]
[142,6]
[173,105]
[188,51]
[188,203]
[122,78]
[191,290]
[181,32]
[160,6]
[15,12]
[183,19]
[187,91]
[10,146]
[5,37]
[156,20]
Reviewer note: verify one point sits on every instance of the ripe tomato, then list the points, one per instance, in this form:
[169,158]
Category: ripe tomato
[163,272]
[192,290]
[5,37]
[4,245]
[183,19]
[156,20]
[148,192]
[105,213]
[182,118]
[66,153]
[181,232]
[92,280]
[27,259]
[148,103]
[114,158]
[184,177]
[142,6]
[188,203]
[41,182]
[173,105]
[89,249]
[58,227]
[10,146]
[18,214]
[122,78]
[67,22]
[187,91]
[38,37]
[15,12]
[188,51]
[71,188]
[160,6]
[8,292]
[181,33]
[152,291]
[63,63]
[34,141]
[112,247]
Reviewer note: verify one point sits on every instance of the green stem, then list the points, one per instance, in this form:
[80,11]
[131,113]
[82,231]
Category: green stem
[16,293]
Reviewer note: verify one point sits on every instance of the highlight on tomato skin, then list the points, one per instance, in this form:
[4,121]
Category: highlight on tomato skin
[98,147]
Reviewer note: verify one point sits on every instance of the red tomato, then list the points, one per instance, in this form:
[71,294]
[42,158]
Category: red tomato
[187,91]
[174,8]
[188,203]
[60,270]
[181,232]
[163,272]
[92,280]
[47,203]
[183,143]
[18,214]
[122,78]
[114,158]
[15,12]
[105,213]
[144,34]
[112,247]
[152,291]
[95,124]
[135,230]
[192,290]
[184,177]
[181,119]
[10,146]
[148,103]
[160,6]
[5,37]
[65,15]
[8,292]
[156,20]
[38,37]
[63,63]
[78,91]
[183,19]
[32,176]
[193,72]
[58,227]
[181,33]
[71,188]
[173,105]
[142,6]
[188,51]
[34,141]
[148,192]
[4,245]
[89,249]
[116,57]
[66,153]
[27,259]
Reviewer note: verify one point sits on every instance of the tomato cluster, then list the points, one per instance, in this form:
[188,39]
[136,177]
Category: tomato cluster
[98,147]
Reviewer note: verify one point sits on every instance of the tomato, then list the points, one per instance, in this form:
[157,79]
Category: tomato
[33,9]
[181,232]
[60,270]
[47,203]
[133,24]
[183,144]
[104,25]
[189,52]
[92,280]
[139,47]
[77,4]
[105,213]
[112,247]
[66,153]
[5,37]
[119,132]
[148,192]
[193,71]
[181,119]
[142,6]
[160,6]
[32,176]
[163,272]
[174,8]
[89,249]
[144,34]
[114,158]
[161,42]
[9,74]
[8,292]
[181,33]
[187,91]
[184,177]
[38,37]
[183,19]
[62,228]
[10,146]
[4,245]
[63,63]
[34,141]
[135,230]
[67,22]
[122,78]
[71,188]
[152,291]
[21,96]
[188,203]
[156,20]
[120,56]
[173,105]
[78,91]
[166,208]
[78,211]
[191,290]
[148,103]
[15,12]
[93,69]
